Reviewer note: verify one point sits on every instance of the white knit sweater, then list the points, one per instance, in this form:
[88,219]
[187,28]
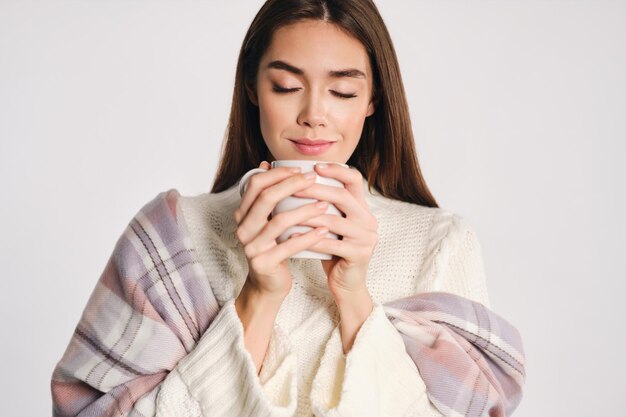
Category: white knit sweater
[305,372]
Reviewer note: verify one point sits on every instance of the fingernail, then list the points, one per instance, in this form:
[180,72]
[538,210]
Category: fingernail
[322,231]
[321,165]
[310,175]
[321,205]
[295,170]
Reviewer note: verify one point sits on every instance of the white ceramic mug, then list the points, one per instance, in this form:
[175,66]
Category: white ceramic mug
[292,202]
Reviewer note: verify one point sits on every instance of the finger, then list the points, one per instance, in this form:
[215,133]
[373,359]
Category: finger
[339,197]
[287,219]
[338,225]
[294,245]
[274,228]
[258,183]
[347,249]
[256,218]
[351,178]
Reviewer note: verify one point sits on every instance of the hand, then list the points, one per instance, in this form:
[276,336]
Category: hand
[347,270]
[268,271]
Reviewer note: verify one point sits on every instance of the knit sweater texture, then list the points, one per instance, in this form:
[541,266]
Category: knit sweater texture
[305,372]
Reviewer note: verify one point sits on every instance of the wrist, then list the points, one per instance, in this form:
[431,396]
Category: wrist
[355,302]
[257,312]
[256,306]
[354,311]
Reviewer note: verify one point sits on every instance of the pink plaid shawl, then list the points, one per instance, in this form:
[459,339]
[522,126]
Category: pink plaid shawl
[153,302]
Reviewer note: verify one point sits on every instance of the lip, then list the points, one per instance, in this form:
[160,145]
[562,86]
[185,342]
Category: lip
[311,147]
[307,141]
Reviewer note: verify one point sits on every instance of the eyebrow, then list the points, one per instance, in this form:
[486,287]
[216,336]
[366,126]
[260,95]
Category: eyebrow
[349,72]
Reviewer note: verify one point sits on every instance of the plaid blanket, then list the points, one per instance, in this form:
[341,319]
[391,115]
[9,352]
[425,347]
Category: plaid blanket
[153,302]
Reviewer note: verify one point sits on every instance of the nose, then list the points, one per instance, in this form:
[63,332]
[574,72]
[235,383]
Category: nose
[313,112]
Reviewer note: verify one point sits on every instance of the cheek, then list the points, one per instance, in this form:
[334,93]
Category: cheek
[273,115]
[351,120]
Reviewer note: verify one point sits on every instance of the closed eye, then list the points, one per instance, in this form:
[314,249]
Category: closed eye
[342,95]
[278,89]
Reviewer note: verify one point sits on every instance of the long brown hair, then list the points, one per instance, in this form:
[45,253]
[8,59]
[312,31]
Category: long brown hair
[385,154]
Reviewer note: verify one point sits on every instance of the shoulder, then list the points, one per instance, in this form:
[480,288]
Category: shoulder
[211,215]
[435,225]
[151,232]
[440,233]
[436,247]
[166,216]
[450,230]
[158,216]
[453,260]
[218,202]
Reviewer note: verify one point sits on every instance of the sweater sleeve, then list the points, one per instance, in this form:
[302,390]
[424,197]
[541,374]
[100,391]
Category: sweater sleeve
[375,378]
[454,261]
[218,378]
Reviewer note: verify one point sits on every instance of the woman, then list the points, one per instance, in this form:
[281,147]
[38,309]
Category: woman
[245,330]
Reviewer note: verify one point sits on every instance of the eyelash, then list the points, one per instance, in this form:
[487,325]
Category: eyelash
[278,89]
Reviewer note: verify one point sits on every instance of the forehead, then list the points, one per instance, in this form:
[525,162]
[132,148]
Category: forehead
[317,48]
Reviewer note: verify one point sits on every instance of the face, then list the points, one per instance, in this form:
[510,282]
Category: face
[313,90]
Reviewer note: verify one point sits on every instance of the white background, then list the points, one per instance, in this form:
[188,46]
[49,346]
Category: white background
[519,112]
